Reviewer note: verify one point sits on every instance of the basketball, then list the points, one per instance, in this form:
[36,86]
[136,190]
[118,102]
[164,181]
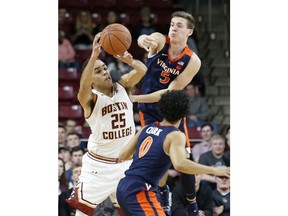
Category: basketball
[115,39]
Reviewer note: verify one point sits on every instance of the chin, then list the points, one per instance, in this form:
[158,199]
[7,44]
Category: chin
[173,38]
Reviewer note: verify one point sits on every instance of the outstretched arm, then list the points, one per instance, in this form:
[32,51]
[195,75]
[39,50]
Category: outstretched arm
[128,151]
[85,95]
[175,142]
[130,79]
[177,84]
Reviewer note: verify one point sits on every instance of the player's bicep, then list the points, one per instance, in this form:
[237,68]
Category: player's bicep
[177,149]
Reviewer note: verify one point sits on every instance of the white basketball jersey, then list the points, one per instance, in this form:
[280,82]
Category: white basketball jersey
[111,123]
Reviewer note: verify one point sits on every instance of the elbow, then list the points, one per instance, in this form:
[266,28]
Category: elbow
[144,70]
[141,67]
[78,96]
[179,167]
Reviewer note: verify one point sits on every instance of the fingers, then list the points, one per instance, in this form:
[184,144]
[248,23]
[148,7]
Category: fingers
[223,171]
[149,42]
[96,45]
[125,54]
[227,172]
[96,39]
[125,57]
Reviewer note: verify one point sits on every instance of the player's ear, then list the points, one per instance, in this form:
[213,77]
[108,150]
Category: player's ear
[190,32]
[84,64]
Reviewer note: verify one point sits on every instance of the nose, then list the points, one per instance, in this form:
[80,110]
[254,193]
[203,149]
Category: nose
[105,71]
[174,28]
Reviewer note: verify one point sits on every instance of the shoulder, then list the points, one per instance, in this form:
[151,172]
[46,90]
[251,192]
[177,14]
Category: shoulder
[214,193]
[205,155]
[195,58]
[196,146]
[66,41]
[200,99]
[194,64]
[176,135]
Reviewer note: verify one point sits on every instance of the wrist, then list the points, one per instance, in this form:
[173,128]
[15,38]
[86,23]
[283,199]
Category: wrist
[132,63]
[214,171]
[94,55]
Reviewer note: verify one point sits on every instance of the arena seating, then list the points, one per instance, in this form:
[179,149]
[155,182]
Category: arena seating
[74,3]
[67,93]
[194,133]
[74,111]
[68,74]
[158,4]
[101,4]
[130,4]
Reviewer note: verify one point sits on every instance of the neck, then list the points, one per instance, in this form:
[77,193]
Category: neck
[224,191]
[217,155]
[167,123]
[107,91]
[177,48]
[175,52]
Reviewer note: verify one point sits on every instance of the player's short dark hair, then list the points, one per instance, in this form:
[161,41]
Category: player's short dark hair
[84,64]
[174,105]
[227,129]
[62,126]
[207,124]
[74,133]
[77,148]
[190,19]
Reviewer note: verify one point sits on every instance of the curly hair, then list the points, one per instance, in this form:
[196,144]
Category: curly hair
[173,105]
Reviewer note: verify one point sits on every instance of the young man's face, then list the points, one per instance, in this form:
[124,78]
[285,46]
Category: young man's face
[218,146]
[222,182]
[206,133]
[73,140]
[77,156]
[76,173]
[178,30]
[101,76]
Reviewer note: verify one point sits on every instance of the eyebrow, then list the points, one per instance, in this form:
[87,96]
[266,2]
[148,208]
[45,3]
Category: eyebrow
[103,65]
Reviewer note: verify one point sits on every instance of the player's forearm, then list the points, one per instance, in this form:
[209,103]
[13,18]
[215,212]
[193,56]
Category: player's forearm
[208,178]
[190,167]
[149,98]
[139,66]
[127,152]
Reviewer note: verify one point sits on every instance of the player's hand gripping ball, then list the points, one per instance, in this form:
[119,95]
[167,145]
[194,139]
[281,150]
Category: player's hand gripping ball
[115,39]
